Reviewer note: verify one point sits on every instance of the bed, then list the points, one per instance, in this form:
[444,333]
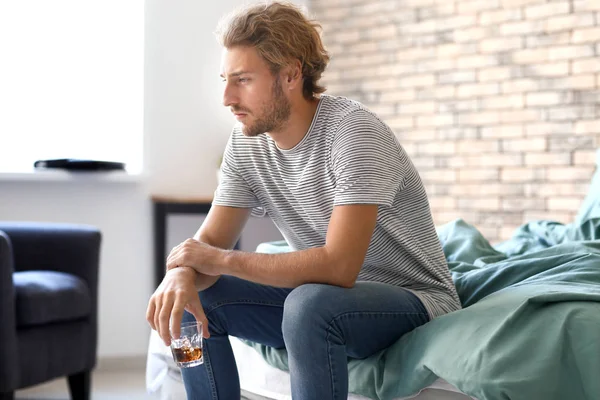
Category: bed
[529,328]
[258,379]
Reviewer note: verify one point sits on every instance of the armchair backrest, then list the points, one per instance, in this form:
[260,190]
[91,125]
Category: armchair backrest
[9,371]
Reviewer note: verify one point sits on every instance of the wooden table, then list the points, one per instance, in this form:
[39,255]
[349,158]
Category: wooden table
[162,207]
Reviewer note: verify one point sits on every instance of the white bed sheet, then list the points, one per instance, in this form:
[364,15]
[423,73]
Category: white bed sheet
[258,379]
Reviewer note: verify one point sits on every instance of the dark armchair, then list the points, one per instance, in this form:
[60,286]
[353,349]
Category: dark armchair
[48,305]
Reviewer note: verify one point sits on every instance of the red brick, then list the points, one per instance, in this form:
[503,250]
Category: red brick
[515,101]
[502,73]
[502,131]
[549,69]
[435,120]
[479,118]
[564,203]
[437,147]
[524,145]
[506,232]
[438,175]
[553,189]
[550,159]
[569,22]
[548,128]
[562,217]
[520,86]
[522,174]
[586,127]
[495,188]
[590,35]
[496,45]
[477,89]
[584,157]
[416,81]
[390,96]
[569,174]
[417,108]
[583,66]
[478,146]
[522,28]
[523,203]
[495,17]
[481,203]
[443,217]
[470,34]
[513,116]
[478,175]
[547,10]
[548,98]
[442,203]
[570,52]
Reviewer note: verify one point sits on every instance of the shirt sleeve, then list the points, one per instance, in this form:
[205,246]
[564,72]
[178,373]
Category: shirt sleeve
[367,161]
[233,190]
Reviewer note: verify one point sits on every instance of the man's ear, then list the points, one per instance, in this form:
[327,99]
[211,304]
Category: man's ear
[293,74]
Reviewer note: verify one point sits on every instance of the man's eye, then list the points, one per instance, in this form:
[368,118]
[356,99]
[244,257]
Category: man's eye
[243,80]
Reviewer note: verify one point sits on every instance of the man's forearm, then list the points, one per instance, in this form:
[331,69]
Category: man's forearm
[288,269]
[204,281]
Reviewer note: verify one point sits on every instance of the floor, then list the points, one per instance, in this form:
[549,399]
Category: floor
[119,385]
[106,385]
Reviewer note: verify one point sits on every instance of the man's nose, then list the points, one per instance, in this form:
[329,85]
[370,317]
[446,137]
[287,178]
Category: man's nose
[229,96]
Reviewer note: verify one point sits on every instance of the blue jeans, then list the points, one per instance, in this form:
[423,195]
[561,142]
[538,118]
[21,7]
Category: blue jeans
[319,325]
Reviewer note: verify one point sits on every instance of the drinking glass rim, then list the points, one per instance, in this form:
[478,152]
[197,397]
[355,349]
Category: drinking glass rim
[189,324]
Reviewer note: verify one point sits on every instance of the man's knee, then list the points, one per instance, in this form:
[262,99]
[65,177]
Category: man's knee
[305,308]
[211,298]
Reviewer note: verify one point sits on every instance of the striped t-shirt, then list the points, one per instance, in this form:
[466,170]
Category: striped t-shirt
[348,156]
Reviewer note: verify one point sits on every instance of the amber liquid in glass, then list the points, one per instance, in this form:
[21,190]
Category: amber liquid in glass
[187,354]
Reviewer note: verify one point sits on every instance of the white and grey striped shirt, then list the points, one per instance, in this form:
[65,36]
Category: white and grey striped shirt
[348,156]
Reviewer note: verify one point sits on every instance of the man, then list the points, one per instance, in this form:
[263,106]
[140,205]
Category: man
[367,266]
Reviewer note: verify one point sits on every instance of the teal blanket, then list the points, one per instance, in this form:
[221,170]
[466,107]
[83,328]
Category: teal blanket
[530,326]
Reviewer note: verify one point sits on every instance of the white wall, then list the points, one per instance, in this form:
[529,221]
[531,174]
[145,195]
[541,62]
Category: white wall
[186,125]
[185,131]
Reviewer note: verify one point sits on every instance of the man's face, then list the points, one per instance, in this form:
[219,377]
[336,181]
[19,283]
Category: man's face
[252,92]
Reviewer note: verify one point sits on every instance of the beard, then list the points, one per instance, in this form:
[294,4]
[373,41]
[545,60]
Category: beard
[273,114]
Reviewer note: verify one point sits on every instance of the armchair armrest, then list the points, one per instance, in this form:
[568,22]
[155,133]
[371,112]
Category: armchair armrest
[70,248]
[8,329]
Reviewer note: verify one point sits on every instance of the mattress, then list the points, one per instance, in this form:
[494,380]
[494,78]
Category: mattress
[258,379]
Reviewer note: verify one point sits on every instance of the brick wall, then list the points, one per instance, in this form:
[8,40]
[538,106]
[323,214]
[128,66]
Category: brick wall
[496,101]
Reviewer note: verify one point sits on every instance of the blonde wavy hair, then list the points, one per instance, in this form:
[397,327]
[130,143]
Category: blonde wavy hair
[280,32]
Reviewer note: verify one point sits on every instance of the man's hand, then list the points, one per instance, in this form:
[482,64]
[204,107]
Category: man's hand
[176,293]
[197,255]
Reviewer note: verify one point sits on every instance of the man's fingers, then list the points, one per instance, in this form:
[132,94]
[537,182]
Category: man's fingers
[176,316]
[157,308]
[195,308]
[150,313]
[164,317]
[176,259]
[158,300]
[170,263]
[171,260]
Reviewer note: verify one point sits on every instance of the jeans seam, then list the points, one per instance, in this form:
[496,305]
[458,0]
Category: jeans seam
[211,377]
[331,380]
[354,313]
[242,302]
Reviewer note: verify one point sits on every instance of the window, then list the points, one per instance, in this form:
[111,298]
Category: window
[71,81]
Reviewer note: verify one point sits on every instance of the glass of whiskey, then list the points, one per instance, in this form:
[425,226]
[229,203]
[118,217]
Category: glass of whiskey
[187,350]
